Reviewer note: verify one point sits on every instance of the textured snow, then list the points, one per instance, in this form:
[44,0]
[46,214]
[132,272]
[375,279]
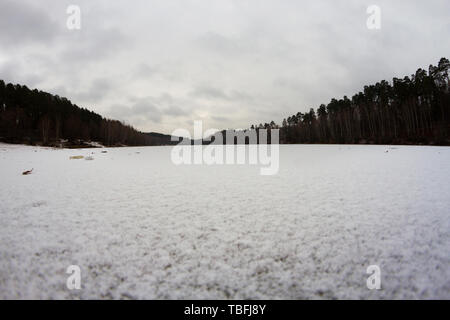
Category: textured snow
[140,227]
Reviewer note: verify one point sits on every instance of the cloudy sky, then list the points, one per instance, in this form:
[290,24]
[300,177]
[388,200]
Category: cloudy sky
[159,65]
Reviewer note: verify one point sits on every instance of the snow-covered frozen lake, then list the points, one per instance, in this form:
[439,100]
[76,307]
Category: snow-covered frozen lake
[140,227]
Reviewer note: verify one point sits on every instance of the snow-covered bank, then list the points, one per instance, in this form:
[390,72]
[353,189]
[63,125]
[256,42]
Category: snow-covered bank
[140,227]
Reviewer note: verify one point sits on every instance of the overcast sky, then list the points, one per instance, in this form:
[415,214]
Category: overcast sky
[160,65]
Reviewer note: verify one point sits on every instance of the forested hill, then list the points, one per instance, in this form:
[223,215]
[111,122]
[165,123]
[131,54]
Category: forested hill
[412,110]
[33,116]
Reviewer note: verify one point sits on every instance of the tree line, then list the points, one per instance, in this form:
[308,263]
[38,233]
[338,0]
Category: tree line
[33,116]
[412,110]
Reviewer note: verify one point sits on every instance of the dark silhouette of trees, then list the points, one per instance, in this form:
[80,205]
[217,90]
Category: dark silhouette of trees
[414,109]
[32,116]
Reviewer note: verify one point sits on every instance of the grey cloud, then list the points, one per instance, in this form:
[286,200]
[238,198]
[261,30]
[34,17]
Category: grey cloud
[143,70]
[175,111]
[220,119]
[98,90]
[139,113]
[226,45]
[209,92]
[93,44]
[15,71]
[22,24]
[148,110]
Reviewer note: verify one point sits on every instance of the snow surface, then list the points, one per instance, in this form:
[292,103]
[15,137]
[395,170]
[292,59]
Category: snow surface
[140,227]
